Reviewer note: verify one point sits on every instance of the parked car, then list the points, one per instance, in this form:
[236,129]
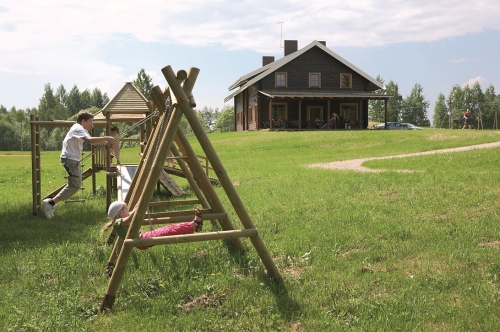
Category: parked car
[397,125]
[409,126]
[390,125]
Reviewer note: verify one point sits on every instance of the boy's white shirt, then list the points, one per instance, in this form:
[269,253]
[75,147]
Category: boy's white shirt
[72,146]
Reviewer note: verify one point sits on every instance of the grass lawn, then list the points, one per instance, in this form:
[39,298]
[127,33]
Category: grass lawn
[384,251]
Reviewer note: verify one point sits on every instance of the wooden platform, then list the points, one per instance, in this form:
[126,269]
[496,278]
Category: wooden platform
[168,183]
[178,172]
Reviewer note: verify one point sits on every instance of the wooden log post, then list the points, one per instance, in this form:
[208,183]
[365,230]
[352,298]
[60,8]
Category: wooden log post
[145,164]
[224,179]
[205,186]
[132,196]
[109,181]
[152,177]
[35,164]
[189,176]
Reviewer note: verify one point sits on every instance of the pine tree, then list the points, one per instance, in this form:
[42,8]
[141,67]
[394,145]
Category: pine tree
[73,101]
[48,104]
[441,118]
[394,103]
[414,107]
[144,83]
[376,109]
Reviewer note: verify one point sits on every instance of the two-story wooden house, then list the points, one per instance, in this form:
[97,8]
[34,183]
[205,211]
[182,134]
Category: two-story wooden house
[303,90]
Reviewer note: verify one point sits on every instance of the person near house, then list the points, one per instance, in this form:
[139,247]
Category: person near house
[468,119]
[279,122]
[318,122]
[121,218]
[72,149]
[332,122]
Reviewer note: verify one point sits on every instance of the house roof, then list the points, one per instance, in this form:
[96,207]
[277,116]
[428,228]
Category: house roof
[128,105]
[258,74]
[321,94]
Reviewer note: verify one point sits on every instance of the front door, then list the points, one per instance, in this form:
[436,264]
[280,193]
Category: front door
[349,113]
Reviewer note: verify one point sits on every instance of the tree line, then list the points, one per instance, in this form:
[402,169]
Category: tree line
[62,105]
[15,130]
[413,108]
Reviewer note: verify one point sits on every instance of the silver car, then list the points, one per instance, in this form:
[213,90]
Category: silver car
[390,125]
[409,126]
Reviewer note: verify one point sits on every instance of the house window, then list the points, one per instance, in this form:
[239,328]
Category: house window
[349,112]
[314,80]
[251,111]
[279,110]
[346,81]
[280,79]
[238,116]
[314,112]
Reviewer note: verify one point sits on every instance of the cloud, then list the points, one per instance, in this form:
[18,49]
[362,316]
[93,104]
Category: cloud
[64,39]
[481,80]
[239,25]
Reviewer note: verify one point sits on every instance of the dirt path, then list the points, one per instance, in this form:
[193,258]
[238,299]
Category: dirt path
[355,164]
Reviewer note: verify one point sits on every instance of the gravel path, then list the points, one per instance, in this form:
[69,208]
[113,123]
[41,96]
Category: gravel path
[355,164]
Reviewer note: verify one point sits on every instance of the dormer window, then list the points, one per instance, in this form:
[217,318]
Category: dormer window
[281,80]
[315,80]
[345,81]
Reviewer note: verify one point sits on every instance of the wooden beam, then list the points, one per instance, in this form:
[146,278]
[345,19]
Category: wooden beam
[222,235]
[175,203]
[182,218]
[221,173]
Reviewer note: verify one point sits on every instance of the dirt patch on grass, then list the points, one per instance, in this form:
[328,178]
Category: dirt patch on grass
[204,301]
[495,243]
[356,164]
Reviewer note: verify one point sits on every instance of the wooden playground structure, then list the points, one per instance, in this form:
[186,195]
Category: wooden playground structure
[161,130]
[127,106]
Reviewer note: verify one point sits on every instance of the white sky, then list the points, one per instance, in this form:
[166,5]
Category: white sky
[103,44]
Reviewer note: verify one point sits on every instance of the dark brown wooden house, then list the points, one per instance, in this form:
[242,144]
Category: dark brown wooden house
[303,90]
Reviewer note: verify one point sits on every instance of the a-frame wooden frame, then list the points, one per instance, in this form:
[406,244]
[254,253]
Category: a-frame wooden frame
[149,169]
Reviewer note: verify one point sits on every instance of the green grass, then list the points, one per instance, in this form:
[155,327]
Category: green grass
[357,251]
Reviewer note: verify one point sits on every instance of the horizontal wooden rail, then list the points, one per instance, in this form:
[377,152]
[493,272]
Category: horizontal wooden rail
[222,235]
[174,203]
[178,213]
[183,218]
[130,139]
[62,123]
[128,110]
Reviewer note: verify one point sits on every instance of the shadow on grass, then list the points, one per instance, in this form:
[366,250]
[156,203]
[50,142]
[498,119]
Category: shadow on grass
[19,228]
[288,307]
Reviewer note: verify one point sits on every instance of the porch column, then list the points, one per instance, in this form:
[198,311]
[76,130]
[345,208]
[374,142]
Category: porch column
[270,114]
[385,107]
[245,110]
[328,115]
[300,113]
[360,113]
